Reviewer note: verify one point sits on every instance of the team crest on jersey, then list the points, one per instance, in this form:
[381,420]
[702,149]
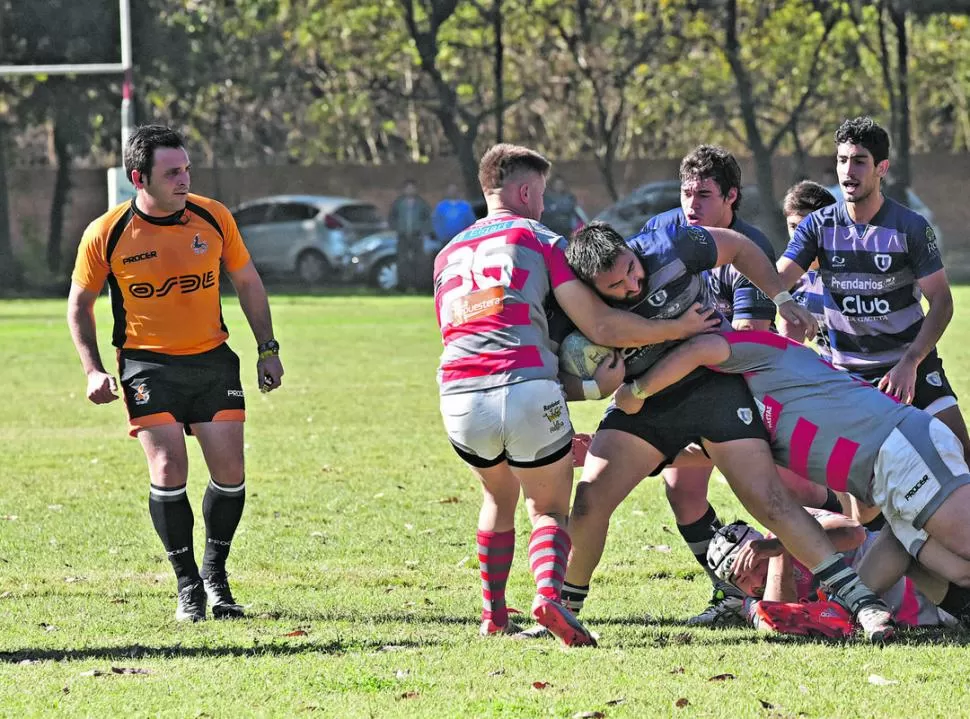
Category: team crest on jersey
[745,414]
[199,246]
[142,394]
[934,379]
[883,262]
[697,235]
[657,298]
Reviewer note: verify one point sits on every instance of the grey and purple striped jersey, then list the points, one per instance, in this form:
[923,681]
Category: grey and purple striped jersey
[824,424]
[491,282]
[674,259]
[872,306]
[735,296]
[810,294]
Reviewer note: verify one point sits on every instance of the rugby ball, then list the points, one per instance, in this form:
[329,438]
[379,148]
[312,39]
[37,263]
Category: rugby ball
[580,357]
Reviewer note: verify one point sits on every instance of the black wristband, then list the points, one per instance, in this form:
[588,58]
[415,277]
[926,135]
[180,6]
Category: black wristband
[268,348]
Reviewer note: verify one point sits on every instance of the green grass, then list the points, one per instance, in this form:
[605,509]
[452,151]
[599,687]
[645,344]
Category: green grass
[359,531]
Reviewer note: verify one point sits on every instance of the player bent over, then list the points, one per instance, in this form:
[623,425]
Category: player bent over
[659,274]
[502,406]
[835,429]
[161,255]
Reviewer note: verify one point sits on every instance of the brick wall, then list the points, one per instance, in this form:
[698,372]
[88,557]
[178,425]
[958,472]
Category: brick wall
[936,179]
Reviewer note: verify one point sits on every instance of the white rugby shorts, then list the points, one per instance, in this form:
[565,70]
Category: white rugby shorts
[918,466]
[523,423]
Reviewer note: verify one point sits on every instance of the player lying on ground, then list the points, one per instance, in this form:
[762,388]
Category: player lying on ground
[659,275]
[838,430]
[762,569]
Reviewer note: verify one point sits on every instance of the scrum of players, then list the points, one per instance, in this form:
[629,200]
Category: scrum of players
[850,450]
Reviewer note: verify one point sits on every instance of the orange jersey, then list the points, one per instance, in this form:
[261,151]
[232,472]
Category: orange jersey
[163,274]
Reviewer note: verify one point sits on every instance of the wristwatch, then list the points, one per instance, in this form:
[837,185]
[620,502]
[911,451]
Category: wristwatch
[269,348]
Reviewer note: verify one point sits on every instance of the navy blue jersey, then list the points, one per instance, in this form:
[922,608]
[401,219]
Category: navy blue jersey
[674,260]
[736,297]
[872,308]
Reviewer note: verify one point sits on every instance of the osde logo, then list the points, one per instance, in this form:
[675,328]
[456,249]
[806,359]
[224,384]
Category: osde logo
[185,284]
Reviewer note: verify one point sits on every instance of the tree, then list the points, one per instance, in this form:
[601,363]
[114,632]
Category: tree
[775,55]
[611,45]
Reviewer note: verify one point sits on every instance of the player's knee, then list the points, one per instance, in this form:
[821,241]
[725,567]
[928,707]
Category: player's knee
[167,471]
[228,474]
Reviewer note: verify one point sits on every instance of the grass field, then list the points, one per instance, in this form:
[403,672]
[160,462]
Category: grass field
[357,557]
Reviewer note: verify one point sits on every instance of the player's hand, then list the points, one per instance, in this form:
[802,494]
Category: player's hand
[269,373]
[754,553]
[609,375]
[795,333]
[102,387]
[900,381]
[800,319]
[698,319]
[625,401]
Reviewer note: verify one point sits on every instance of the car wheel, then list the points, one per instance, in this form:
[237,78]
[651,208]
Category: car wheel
[312,268]
[384,275]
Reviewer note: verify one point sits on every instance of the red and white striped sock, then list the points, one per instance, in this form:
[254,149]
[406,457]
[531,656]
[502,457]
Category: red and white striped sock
[548,551]
[495,551]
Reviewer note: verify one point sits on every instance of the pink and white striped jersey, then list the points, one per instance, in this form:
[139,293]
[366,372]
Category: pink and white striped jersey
[491,282]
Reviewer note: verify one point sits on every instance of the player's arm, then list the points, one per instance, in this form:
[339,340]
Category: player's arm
[789,271]
[611,327]
[801,252]
[80,320]
[900,381]
[607,377]
[705,350]
[736,249]
[255,305]
[780,582]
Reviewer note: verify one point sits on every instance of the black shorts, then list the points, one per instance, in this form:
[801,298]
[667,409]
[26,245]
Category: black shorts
[713,407]
[931,381]
[165,389]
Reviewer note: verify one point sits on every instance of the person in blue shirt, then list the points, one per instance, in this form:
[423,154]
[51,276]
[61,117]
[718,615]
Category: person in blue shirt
[452,215]
[876,260]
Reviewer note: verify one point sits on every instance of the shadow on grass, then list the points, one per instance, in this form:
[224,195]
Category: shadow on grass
[141,651]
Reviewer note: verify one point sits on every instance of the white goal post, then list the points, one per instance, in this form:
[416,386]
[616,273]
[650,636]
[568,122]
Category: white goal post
[119,188]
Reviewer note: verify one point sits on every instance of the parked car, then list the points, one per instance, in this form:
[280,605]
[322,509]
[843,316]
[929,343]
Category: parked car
[628,214]
[373,259]
[306,235]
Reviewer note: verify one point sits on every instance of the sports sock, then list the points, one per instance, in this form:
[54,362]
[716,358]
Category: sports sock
[698,536]
[957,602]
[841,581]
[573,596]
[832,503]
[548,551]
[172,516]
[495,552]
[222,508]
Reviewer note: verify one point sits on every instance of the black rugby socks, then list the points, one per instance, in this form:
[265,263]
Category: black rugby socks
[172,517]
[222,508]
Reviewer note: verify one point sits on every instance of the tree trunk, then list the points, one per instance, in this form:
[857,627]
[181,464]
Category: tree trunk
[901,171]
[11,274]
[777,231]
[62,187]
[499,72]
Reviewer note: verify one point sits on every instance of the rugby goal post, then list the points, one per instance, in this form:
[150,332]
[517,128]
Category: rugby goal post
[119,187]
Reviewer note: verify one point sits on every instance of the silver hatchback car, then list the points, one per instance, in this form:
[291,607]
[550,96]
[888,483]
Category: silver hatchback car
[306,235]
